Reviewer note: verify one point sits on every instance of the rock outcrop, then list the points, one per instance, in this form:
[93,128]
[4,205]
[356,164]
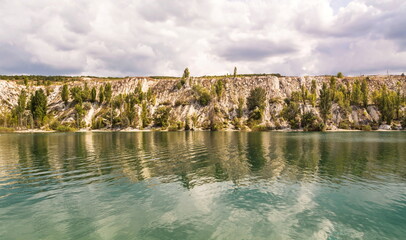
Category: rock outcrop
[186,109]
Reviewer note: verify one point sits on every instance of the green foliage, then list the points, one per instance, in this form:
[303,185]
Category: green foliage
[219,88]
[386,102]
[86,93]
[6,129]
[291,113]
[240,109]
[325,103]
[108,92]
[65,93]
[101,94]
[98,123]
[76,94]
[309,122]
[80,112]
[366,128]
[356,95]
[344,125]
[180,83]
[333,88]
[313,93]
[20,108]
[186,73]
[364,93]
[235,72]
[145,115]
[161,116]
[203,95]
[65,128]
[340,75]
[39,106]
[129,109]
[93,94]
[256,99]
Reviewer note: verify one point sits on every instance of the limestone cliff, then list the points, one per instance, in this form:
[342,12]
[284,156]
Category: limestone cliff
[184,107]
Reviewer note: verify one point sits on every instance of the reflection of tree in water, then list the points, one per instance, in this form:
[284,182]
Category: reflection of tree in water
[255,151]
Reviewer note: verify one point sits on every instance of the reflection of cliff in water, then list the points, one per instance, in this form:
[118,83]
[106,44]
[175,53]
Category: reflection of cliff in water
[195,158]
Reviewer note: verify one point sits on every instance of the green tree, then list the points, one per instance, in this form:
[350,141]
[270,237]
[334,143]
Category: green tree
[80,112]
[333,88]
[313,93]
[219,88]
[65,93]
[21,105]
[304,95]
[364,92]
[76,94]
[161,116]
[101,94]
[39,106]
[186,73]
[93,94]
[356,97]
[108,92]
[325,103]
[256,99]
[340,75]
[130,110]
[235,72]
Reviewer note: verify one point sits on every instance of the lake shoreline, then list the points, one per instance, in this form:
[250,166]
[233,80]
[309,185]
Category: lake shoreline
[197,130]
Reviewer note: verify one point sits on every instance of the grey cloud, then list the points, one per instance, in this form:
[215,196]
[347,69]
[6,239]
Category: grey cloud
[15,60]
[254,50]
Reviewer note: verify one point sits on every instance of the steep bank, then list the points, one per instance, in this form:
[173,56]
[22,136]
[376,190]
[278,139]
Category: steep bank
[201,103]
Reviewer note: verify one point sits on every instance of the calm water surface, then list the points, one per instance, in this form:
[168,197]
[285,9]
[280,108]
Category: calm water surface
[203,185]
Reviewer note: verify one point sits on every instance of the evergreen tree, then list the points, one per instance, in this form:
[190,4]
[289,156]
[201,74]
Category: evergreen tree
[38,106]
[325,103]
[65,93]
[235,72]
[186,73]
[108,92]
[93,94]
[356,97]
[257,98]
[101,94]
[333,88]
[364,92]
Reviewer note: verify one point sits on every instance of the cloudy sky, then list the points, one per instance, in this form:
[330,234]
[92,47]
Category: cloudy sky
[162,37]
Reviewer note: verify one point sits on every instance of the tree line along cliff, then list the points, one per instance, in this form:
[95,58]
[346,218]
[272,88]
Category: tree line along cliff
[254,102]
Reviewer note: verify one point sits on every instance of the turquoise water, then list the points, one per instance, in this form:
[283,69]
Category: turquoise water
[203,185]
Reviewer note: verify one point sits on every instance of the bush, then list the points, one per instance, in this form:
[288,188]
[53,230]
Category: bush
[256,99]
[260,128]
[366,128]
[340,75]
[6,129]
[65,128]
[98,123]
[161,116]
[309,122]
[344,125]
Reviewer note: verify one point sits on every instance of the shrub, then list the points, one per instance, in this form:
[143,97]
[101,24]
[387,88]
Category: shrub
[260,128]
[344,125]
[6,129]
[309,122]
[65,128]
[203,95]
[161,116]
[98,123]
[366,128]
[340,75]
[256,99]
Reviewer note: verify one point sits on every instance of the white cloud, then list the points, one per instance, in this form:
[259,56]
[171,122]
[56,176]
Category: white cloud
[158,37]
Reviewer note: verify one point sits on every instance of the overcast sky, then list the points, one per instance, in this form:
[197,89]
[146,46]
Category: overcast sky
[162,37]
